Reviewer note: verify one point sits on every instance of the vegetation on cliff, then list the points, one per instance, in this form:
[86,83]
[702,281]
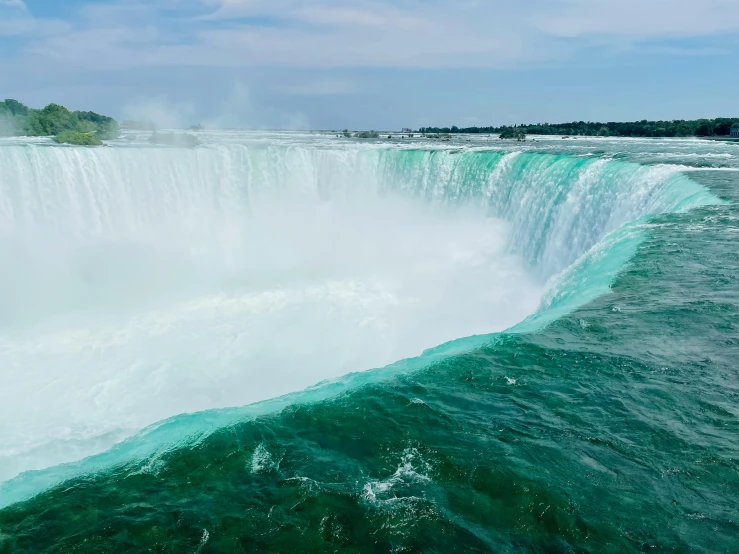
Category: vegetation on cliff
[79,139]
[54,120]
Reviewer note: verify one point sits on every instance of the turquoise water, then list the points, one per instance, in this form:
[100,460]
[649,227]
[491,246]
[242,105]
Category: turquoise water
[604,419]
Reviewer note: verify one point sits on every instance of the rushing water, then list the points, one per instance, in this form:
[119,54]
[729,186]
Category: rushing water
[188,337]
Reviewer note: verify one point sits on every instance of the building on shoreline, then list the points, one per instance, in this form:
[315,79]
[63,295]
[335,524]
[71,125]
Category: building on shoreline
[734,133]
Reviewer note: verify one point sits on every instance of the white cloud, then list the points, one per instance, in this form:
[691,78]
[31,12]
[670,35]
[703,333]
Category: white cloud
[365,33]
[320,48]
[14,18]
[640,18]
[14,4]
[368,16]
[323,87]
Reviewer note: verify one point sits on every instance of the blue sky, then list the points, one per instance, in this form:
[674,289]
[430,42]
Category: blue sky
[378,64]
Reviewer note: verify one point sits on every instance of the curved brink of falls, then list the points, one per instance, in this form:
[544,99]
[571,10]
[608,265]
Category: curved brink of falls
[240,274]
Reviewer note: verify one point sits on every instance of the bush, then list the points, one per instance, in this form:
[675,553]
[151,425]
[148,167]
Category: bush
[79,139]
[367,135]
[516,134]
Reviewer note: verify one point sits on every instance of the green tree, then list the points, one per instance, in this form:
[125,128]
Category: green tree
[515,133]
[17,119]
[77,138]
[13,107]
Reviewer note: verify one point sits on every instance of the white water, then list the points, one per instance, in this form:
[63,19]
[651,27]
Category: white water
[143,283]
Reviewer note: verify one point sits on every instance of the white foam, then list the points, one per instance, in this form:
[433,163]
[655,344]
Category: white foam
[136,294]
[143,283]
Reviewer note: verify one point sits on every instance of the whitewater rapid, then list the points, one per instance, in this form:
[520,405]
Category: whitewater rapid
[142,283]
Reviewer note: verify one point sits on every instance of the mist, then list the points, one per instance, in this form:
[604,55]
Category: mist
[237,109]
[154,282]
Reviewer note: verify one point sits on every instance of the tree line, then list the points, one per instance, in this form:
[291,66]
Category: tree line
[54,120]
[677,128]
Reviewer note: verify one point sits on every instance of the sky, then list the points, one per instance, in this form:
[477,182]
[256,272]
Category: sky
[374,64]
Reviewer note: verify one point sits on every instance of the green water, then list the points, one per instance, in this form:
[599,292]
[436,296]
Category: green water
[614,429]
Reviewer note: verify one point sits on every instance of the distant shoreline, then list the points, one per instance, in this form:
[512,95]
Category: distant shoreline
[678,128]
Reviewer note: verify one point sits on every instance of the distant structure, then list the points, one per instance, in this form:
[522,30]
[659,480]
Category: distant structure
[734,130]
[406,130]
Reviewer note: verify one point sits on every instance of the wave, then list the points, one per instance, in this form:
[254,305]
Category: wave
[236,274]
